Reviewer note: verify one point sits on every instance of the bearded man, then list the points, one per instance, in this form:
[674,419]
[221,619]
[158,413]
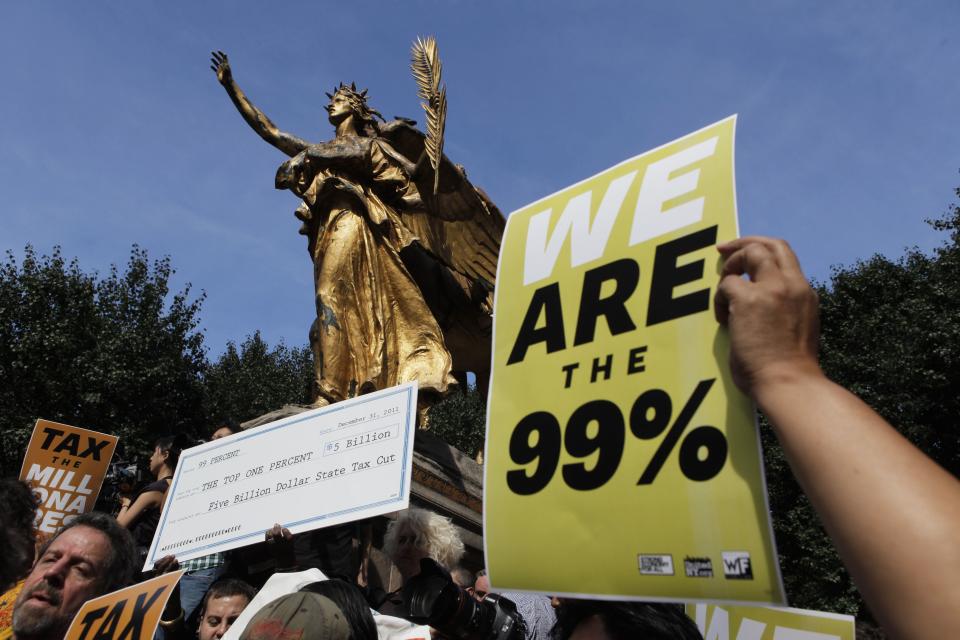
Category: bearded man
[91,556]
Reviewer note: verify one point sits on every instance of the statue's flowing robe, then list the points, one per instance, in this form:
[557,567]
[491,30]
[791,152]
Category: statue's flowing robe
[389,271]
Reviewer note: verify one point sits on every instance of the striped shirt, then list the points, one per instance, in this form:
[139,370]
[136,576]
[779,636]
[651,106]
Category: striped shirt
[204,562]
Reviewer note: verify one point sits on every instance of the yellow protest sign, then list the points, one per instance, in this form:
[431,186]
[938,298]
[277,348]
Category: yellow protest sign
[65,467]
[769,623]
[621,458]
[128,614]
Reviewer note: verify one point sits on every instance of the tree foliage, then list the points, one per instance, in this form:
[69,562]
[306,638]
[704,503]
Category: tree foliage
[124,355]
[460,420]
[890,332]
[116,354]
[253,380]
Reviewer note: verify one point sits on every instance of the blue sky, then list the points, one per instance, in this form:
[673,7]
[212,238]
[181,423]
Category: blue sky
[114,131]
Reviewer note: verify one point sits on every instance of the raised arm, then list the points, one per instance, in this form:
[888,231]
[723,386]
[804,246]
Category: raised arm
[893,514]
[258,121]
[130,512]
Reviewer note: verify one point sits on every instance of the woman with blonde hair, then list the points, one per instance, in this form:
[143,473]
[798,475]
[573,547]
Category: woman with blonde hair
[417,534]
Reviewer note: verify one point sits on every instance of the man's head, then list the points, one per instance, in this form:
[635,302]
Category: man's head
[349,599]
[19,508]
[225,428]
[92,555]
[302,615]
[222,605]
[482,586]
[463,578]
[598,620]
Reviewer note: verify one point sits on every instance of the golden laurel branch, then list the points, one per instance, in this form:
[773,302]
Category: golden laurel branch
[426,68]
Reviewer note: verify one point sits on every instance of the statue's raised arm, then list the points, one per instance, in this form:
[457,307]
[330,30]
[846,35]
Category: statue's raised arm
[258,121]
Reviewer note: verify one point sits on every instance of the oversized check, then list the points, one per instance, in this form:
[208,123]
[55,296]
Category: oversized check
[344,462]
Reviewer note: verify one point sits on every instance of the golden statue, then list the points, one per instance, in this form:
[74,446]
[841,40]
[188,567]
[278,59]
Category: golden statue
[404,248]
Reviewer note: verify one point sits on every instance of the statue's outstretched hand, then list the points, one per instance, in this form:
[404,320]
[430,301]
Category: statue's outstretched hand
[221,66]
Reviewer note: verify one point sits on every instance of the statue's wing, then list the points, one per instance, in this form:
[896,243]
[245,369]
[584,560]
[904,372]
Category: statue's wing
[459,224]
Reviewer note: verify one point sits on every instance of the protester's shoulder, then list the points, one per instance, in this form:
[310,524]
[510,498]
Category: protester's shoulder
[159,486]
[532,600]
[7,601]
[538,614]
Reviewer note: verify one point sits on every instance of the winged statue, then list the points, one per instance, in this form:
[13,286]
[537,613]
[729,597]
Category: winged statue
[404,247]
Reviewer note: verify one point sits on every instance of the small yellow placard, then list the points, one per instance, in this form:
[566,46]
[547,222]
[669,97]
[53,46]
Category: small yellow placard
[621,458]
[65,466]
[128,614]
[769,623]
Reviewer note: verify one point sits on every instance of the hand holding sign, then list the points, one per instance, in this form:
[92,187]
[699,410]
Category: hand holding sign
[280,541]
[876,494]
[773,320]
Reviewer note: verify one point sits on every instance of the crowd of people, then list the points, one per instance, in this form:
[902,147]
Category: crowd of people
[880,499]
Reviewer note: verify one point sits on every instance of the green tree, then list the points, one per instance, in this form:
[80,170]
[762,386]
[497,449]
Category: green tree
[118,354]
[250,381]
[891,334]
[460,420]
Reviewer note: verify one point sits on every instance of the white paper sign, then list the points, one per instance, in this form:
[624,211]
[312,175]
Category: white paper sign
[348,461]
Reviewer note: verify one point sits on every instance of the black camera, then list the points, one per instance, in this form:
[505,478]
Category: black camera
[122,478]
[433,598]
